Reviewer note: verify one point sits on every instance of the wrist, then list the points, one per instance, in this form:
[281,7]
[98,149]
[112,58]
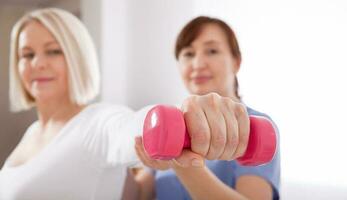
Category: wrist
[193,163]
[180,169]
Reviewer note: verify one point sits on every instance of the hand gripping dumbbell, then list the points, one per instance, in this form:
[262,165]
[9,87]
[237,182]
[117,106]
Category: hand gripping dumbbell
[165,136]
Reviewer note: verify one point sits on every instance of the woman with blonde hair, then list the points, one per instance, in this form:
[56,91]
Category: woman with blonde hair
[78,149]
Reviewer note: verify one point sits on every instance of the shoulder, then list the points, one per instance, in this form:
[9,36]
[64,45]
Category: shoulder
[100,108]
[252,111]
[30,130]
[102,111]
[96,116]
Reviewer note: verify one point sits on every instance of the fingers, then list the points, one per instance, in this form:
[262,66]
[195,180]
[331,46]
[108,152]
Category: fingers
[238,126]
[146,160]
[140,152]
[232,126]
[218,126]
[218,129]
[197,126]
[186,159]
[244,129]
[206,125]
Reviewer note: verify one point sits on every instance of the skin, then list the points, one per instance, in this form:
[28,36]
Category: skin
[213,114]
[43,72]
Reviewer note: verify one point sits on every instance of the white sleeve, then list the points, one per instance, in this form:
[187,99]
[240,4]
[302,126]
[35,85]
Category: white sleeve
[120,130]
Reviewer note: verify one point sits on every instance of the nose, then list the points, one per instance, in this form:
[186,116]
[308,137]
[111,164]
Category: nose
[39,61]
[199,61]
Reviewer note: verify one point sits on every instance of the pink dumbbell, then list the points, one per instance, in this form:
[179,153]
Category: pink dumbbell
[165,136]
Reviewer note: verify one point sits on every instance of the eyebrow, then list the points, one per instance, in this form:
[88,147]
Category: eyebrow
[208,42]
[25,48]
[49,43]
[211,42]
[46,44]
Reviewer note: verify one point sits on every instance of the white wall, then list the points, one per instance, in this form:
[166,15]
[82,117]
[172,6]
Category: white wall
[136,45]
[294,68]
[90,11]
[12,126]
[153,76]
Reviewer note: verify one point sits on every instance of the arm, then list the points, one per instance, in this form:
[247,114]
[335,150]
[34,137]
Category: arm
[219,129]
[119,127]
[131,189]
[201,183]
[146,183]
[254,187]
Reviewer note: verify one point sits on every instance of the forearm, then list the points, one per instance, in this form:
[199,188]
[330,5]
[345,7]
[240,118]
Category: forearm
[145,182]
[201,183]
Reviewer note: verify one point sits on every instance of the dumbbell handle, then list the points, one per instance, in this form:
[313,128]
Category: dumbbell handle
[165,136]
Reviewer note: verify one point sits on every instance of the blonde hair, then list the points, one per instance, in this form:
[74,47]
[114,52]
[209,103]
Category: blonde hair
[79,51]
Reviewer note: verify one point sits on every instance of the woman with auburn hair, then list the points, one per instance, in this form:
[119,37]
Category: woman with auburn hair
[209,58]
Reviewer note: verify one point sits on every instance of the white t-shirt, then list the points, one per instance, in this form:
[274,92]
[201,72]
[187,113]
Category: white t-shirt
[86,160]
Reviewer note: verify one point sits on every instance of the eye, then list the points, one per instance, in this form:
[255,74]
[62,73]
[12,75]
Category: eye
[188,54]
[54,52]
[27,55]
[212,51]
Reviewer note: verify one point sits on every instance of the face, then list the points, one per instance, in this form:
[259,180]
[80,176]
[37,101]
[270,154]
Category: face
[42,66]
[207,65]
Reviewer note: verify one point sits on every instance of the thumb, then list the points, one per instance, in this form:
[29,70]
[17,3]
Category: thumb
[189,159]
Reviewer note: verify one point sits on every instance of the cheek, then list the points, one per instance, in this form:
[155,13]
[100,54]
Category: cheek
[225,73]
[21,67]
[60,66]
[184,71]
[23,70]
[24,75]
[63,79]
[229,76]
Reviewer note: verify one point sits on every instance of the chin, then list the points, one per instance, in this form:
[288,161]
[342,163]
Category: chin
[44,96]
[201,91]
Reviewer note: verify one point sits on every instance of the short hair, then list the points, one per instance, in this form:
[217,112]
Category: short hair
[79,51]
[193,29]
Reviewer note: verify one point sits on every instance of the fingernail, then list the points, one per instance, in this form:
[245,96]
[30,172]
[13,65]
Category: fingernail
[197,162]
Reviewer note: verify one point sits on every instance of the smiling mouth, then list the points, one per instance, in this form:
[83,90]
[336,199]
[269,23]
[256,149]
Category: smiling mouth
[201,79]
[43,80]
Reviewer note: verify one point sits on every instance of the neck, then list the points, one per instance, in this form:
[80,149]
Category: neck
[59,111]
[231,94]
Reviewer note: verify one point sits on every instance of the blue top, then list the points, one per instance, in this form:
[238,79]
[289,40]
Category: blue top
[169,187]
